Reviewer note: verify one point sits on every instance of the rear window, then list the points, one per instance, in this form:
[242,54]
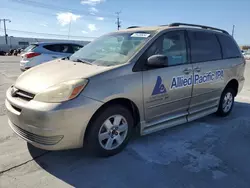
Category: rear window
[30,47]
[204,46]
[229,47]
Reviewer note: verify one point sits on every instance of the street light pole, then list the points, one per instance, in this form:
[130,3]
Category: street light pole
[69,26]
[118,22]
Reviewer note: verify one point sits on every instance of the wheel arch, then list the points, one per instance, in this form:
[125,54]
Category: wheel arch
[129,104]
[234,84]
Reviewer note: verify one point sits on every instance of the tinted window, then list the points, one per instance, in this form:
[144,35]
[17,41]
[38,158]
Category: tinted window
[61,48]
[76,47]
[229,47]
[67,48]
[173,45]
[53,47]
[204,46]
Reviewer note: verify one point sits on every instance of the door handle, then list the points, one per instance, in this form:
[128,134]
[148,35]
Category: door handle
[197,69]
[187,70]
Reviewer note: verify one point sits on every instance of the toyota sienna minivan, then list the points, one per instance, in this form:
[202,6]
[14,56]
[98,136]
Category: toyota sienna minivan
[144,78]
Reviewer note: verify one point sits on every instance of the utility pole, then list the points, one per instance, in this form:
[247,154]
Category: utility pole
[233,31]
[118,22]
[69,26]
[4,25]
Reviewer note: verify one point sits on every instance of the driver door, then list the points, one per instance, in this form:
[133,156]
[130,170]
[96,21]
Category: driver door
[167,90]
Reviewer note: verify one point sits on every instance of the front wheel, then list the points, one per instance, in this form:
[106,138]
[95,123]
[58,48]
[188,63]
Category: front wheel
[226,102]
[110,131]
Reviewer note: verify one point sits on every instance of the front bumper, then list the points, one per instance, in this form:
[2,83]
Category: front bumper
[51,126]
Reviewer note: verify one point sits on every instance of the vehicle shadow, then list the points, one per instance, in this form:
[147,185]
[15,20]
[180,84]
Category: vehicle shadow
[127,169]
[79,169]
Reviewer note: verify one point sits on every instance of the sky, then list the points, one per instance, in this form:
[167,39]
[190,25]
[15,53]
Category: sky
[88,19]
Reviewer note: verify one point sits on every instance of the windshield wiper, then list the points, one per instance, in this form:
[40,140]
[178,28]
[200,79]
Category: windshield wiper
[82,61]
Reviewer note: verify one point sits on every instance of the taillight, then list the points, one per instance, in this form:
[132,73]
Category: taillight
[31,54]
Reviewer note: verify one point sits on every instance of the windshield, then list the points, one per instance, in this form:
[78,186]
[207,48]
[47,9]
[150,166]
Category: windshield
[113,49]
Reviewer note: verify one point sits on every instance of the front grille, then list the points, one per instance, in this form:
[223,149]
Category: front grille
[45,140]
[23,95]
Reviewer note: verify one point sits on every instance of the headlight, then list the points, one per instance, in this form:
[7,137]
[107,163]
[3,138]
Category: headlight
[62,92]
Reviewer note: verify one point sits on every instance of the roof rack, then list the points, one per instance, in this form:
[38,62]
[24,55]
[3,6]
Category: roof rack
[201,26]
[131,27]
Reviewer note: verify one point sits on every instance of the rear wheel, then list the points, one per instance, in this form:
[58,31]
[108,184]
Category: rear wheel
[226,102]
[110,131]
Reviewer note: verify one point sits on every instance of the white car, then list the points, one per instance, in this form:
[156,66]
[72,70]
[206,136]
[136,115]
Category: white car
[42,52]
[247,55]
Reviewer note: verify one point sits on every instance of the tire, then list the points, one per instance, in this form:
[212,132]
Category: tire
[222,110]
[101,133]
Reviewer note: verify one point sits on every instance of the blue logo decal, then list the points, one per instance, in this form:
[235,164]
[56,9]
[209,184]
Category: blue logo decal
[159,87]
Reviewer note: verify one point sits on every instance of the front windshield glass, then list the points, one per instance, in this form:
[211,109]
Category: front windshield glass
[113,49]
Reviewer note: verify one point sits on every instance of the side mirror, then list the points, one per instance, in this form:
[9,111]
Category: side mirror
[157,61]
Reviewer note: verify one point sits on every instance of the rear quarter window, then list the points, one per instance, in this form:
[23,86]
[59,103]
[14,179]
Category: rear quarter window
[229,47]
[30,47]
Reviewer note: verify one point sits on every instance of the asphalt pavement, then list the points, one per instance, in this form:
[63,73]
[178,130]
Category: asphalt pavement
[210,152]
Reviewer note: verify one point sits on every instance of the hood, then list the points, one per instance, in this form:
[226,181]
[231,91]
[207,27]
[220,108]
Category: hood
[39,78]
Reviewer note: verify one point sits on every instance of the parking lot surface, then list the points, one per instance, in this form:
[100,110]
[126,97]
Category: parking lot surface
[211,152]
